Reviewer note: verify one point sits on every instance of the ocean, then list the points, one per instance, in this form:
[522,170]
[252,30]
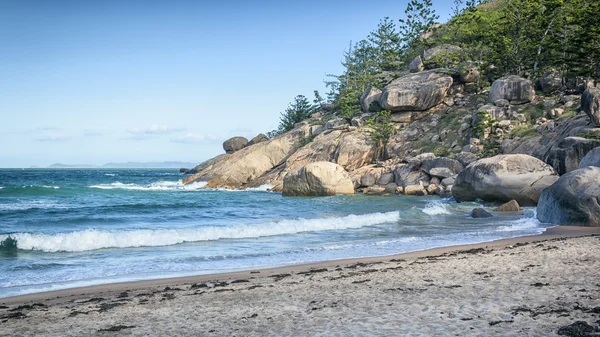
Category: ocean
[64,228]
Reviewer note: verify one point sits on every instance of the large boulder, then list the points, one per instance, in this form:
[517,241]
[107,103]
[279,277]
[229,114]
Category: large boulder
[550,82]
[592,158]
[511,206]
[515,89]
[566,154]
[318,179]
[466,158]
[335,123]
[503,178]
[258,139]
[441,167]
[478,213]
[369,101]
[234,144]
[416,92]
[590,104]
[410,174]
[416,65]
[443,56]
[469,72]
[573,199]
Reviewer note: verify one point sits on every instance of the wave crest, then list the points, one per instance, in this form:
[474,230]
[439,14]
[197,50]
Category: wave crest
[436,208]
[92,239]
[156,186]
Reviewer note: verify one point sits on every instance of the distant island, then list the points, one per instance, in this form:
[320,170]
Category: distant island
[164,164]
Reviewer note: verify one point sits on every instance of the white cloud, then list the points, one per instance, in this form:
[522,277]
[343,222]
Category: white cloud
[154,129]
[189,138]
[194,138]
[51,137]
[92,133]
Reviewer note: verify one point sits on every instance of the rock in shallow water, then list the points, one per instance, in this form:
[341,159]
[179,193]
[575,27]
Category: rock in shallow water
[573,200]
[511,206]
[477,213]
[504,178]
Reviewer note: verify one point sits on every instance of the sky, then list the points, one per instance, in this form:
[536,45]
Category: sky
[91,82]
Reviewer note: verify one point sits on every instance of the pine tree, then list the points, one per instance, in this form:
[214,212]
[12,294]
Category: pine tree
[297,111]
[420,17]
[385,44]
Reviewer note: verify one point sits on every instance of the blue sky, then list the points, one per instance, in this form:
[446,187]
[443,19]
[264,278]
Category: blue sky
[90,82]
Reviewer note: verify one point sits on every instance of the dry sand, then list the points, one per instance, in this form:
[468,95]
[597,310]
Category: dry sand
[530,286]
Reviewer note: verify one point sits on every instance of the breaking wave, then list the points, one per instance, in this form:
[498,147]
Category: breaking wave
[92,239]
[156,186]
[436,208]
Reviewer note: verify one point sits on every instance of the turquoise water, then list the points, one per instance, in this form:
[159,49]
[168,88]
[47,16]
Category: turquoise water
[83,227]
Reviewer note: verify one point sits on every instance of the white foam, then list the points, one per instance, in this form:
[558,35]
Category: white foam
[261,188]
[54,187]
[436,208]
[92,239]
[156,186]
[521,224]
[111,174]
[25,205]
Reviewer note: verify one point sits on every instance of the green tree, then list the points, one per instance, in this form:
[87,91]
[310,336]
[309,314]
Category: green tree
[382,129]
[419,18]
[297,111]
[385,44]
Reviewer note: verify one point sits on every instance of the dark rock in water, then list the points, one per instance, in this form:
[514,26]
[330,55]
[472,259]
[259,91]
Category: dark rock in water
[579,329]
[234,144]
[590,104]
[477,213]
[185,171]
[503,178]
[573,199]
[566,154]
[511,206]
[592,158]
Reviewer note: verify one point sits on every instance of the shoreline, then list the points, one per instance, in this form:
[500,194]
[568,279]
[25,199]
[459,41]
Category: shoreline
[108,289]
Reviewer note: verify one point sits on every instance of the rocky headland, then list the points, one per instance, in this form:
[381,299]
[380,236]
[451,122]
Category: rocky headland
[502,144]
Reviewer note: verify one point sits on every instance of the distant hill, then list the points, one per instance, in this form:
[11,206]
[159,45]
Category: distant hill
[59,165]
[164,164]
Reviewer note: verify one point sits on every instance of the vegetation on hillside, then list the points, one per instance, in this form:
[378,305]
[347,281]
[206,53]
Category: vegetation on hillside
[520,37]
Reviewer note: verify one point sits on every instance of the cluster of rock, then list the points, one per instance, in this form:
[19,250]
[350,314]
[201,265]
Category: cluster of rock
[434,106]
[234,144]
[422,175]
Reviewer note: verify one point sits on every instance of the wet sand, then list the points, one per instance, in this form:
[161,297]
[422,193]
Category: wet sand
[527,286]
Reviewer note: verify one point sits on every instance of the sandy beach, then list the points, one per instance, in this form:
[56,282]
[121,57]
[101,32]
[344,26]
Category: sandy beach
[528,286]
